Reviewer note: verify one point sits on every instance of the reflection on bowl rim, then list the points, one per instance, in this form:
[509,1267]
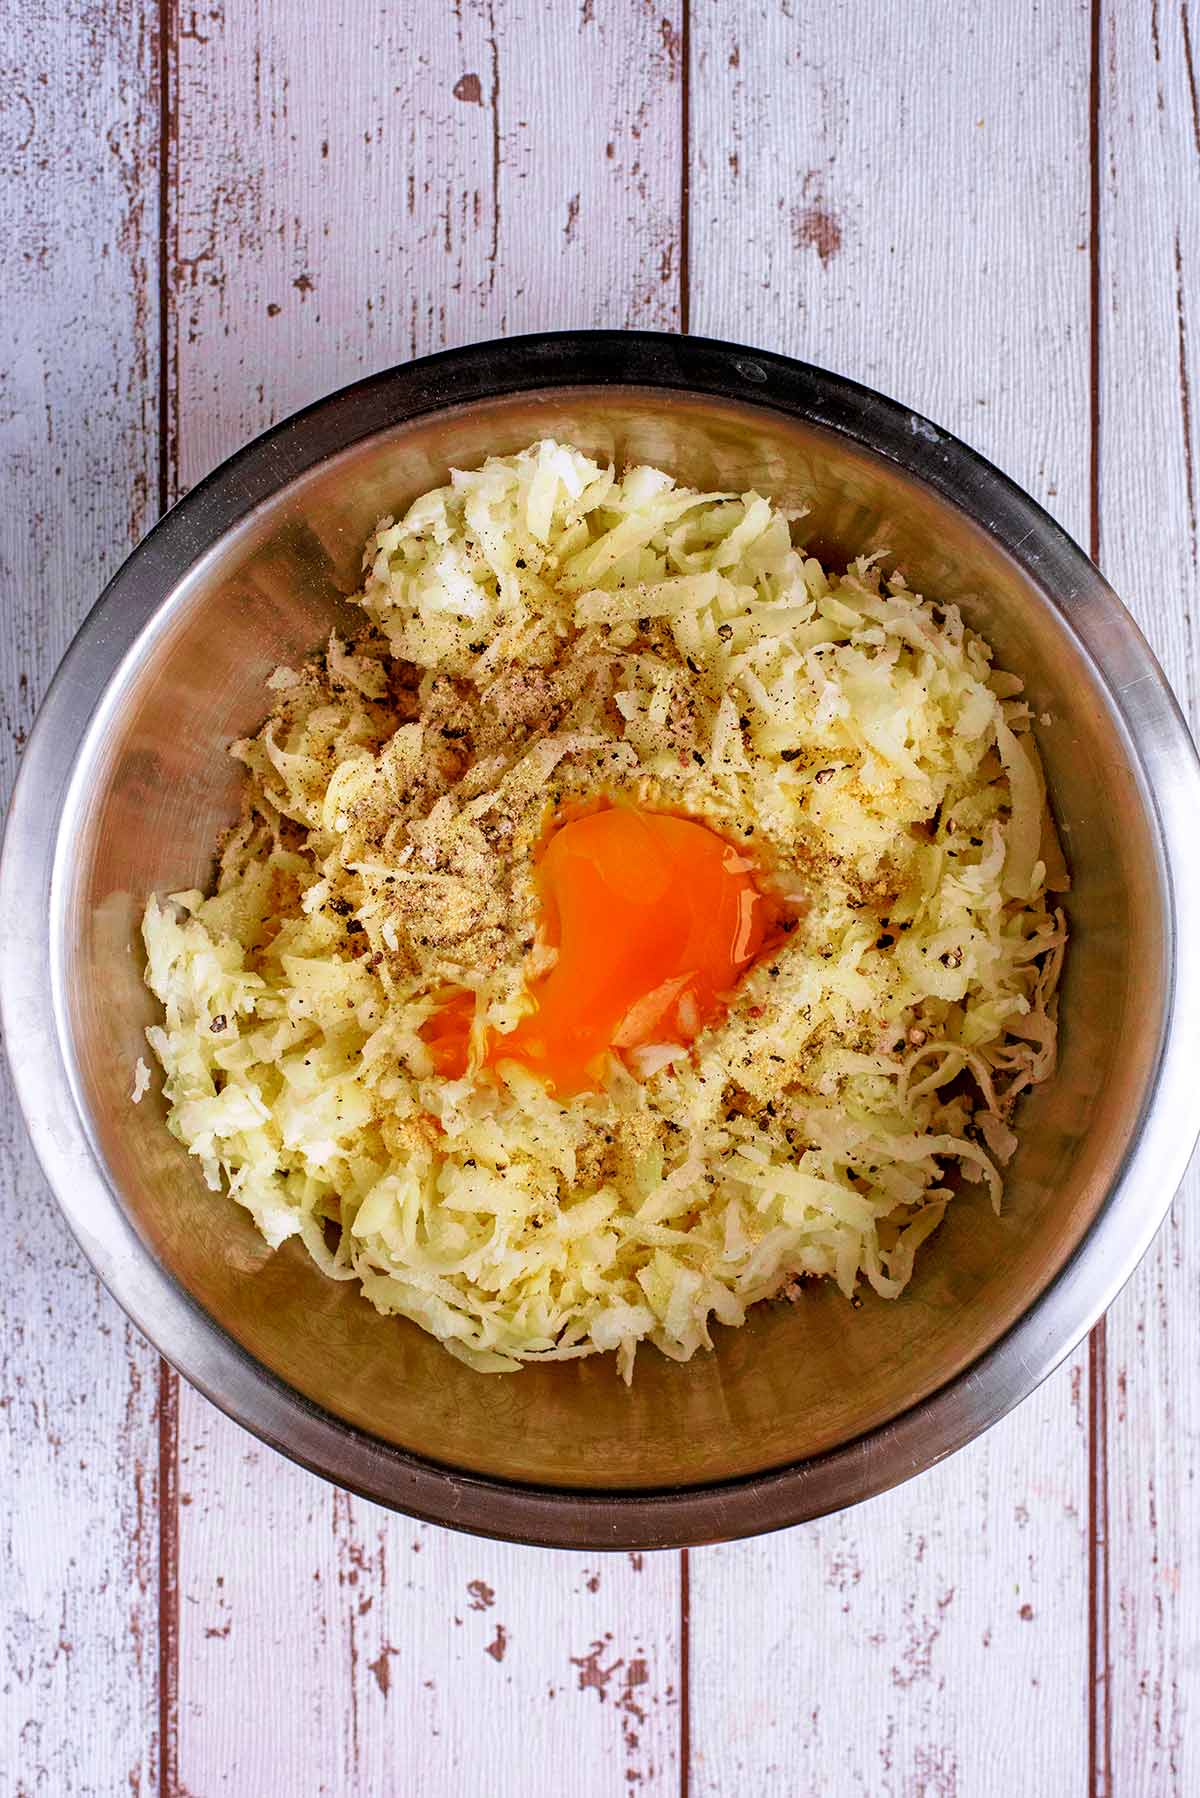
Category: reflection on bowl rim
[197,1345]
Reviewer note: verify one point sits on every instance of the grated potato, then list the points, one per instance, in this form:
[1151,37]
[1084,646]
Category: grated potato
[540,631]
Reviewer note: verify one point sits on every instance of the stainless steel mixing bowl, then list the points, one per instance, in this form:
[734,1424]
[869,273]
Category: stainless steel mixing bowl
[808,1408]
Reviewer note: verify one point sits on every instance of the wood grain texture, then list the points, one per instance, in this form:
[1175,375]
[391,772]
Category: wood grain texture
[345,194]
[898,192]
[78,454]
[911,207]
[909,195]
[889,1650]
[1149,362]
[328,1647]
[368,184]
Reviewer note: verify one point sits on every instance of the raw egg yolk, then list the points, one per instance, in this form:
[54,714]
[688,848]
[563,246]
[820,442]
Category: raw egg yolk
[653,916]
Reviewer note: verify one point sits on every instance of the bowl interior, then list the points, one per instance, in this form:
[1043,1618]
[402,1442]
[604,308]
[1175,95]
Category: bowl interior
[155,785]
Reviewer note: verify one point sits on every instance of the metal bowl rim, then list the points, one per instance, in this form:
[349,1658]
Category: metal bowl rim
[195,1344]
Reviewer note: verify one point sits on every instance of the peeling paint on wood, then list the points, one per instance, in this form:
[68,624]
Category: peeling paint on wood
[908,203]
[78,469]
[1149,266]
[364,1620]
[316,241]
[888,1651]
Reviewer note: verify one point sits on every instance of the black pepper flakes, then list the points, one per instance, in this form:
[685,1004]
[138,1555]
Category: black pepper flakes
[354,927]
[790,755]
[219,1023]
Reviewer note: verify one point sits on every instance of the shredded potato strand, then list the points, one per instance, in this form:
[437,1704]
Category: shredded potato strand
[540,632]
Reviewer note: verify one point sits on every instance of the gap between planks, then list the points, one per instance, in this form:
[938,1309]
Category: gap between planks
[168,478]
[1099,1649]
[685,164]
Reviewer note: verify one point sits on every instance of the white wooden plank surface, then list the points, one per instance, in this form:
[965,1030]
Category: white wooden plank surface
[360,185]
[328,1647]
[501,168]
[899,192]
[78,470]
[1149,358]
[910,197]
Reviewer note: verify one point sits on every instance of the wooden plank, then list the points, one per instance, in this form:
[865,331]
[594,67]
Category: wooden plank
[1149,355]
[500,169]
[329,1647]
[497,169]
[893,1646]
[909,190]
[78,455]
